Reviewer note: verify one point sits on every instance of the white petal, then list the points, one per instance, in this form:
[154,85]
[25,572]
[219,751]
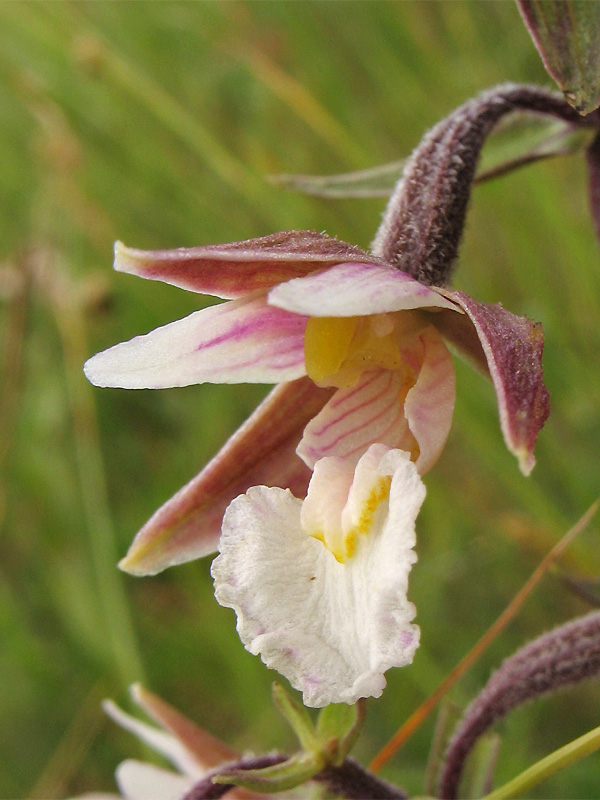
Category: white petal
[235,342]
[355,289]
[140,781]
[158,740]
[331,628]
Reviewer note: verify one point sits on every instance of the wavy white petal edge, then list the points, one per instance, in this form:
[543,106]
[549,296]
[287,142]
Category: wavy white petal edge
[332,628]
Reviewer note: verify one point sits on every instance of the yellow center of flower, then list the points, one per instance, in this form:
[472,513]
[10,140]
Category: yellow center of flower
[342,540]
[337,350]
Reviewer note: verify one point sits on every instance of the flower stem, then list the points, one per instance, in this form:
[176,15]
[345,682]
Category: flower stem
[548,766]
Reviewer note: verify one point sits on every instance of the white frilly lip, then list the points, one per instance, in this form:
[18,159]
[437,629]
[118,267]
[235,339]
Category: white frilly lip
[332,629]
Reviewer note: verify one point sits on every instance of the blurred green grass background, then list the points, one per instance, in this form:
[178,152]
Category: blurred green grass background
[157,123]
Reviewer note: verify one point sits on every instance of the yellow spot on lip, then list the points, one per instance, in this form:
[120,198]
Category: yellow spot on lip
[342,544]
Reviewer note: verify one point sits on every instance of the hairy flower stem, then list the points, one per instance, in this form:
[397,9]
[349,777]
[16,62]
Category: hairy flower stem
[424,220]
[565,656]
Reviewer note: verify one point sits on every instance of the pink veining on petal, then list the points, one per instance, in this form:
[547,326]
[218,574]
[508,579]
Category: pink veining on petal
[429,404]
[377,413]
[357,417]
[262,451]
[240,341]
[239,268]
[367,289]
[511,348]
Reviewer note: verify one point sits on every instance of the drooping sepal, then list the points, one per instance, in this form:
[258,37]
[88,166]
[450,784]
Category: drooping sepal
[509,348]
[262,451]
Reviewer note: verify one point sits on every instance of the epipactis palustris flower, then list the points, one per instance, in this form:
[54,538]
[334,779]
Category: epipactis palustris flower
[356,346]
[320,586]
[354,340]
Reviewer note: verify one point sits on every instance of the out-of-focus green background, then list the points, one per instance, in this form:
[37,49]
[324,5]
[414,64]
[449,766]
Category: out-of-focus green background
[157,123]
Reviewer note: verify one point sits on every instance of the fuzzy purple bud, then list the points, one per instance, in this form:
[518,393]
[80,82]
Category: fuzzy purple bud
[565,656]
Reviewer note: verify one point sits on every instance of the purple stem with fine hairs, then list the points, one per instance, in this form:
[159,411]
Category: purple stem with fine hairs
[565,656]
[424,220]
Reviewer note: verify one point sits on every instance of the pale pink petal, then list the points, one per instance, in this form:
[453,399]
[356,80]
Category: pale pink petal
[510,348]
[429,405]
[355,289]
[238,268]
[139,781]
[354,418]
[188,525]
[379,408]
[241,341]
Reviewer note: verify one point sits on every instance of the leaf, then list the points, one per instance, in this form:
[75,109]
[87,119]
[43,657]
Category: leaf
[338,727]
[278,778]
[373,182]
[522,139]
[298,717]
[567,36]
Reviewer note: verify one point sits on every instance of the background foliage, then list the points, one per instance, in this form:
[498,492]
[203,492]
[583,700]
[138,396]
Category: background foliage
[157,123]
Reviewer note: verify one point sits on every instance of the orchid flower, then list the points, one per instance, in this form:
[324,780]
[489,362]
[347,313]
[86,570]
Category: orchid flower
[319,586]
[192,751]
[354,340]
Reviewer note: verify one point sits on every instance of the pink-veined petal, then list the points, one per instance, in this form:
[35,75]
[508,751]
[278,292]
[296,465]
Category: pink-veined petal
[370,411]
[188,525]
[355,289]
[239,268]
[379,408]
[509,348]
[429,404]
[241,341]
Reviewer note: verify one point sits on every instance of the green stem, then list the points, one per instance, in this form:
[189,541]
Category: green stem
[559,759]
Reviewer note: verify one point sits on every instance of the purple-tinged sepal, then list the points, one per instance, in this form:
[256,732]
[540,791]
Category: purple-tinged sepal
[262,451]
[509,348]
[236,269]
